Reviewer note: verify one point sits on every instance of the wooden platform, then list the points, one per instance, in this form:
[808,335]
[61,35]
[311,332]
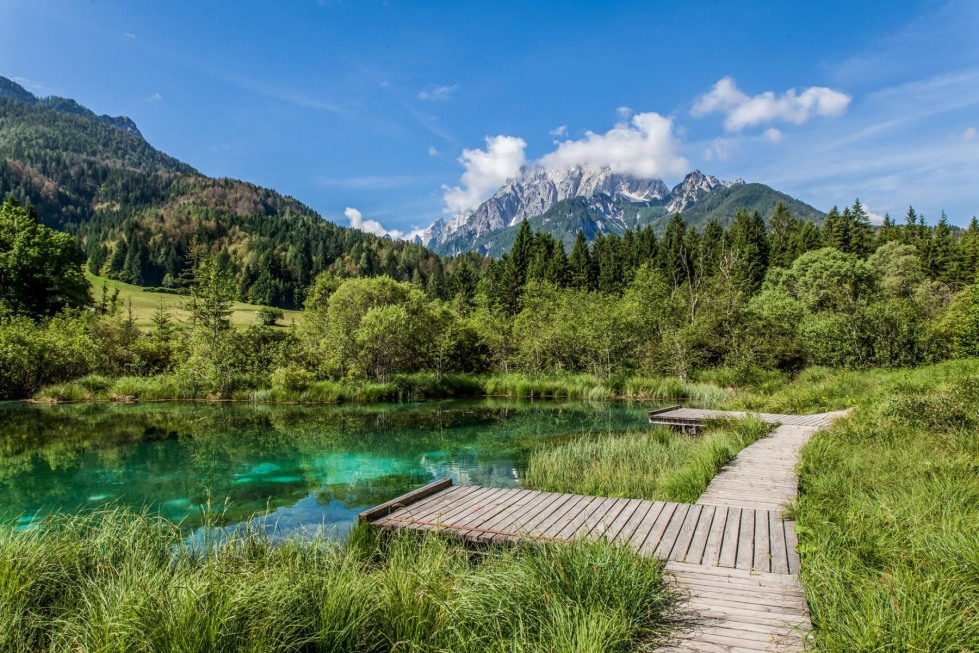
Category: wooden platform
[737,538]
[732,555]
[694,418]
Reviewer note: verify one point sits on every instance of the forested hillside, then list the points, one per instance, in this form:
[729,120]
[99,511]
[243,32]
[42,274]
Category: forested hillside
[145,218]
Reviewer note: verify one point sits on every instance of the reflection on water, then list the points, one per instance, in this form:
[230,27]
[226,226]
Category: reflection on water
[304,466]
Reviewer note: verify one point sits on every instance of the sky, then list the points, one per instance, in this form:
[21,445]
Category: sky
[386,115]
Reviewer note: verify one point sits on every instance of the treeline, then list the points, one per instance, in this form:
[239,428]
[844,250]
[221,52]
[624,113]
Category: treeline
[762,295]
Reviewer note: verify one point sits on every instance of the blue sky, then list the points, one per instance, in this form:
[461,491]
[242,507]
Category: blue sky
[400,112]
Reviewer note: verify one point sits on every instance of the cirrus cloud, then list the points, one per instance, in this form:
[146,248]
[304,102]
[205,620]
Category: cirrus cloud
[742,110]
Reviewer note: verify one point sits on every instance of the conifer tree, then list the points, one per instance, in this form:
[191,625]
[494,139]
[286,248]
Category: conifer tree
[580,264]
[782,229]
[861,234]
[671,256]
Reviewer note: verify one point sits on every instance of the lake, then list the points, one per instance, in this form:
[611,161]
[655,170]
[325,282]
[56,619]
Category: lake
[299,467]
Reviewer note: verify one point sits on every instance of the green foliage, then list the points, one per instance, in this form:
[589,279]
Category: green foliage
[40,269]
[117,581]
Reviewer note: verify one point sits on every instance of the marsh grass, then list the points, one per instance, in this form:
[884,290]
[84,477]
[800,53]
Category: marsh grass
[888,513]
[655,463]
[404,387]
[118,581]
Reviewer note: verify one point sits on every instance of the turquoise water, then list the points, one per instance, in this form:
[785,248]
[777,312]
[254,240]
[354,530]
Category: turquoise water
[299,468]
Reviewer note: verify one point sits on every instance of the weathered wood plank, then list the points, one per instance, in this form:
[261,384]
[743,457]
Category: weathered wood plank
[746,540]
[397,503]
[763,555]
[729,543]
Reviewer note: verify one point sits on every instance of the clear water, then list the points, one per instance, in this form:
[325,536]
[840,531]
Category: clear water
[300,468]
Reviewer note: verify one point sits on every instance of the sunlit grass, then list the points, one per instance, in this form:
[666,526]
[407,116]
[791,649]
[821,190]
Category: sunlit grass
[654,463]
[118,581]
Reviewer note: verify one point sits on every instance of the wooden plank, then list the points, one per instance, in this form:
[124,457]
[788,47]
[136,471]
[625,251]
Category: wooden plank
[440,498]
[679,551]
[570,507]
[672,532]
[715,539]
[763,553]
[573,518]
[511,518]
[498,504]
[655,532]
[397,503]
[586,518]
[695,550]
[451,509]
[603,515]
[641,513]
[729,544]
[791,547]
[746,540]
[776,530]
[532,516]
[613,523]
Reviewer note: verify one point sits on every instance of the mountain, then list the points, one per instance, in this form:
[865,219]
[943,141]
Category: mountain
[14,91]
[143,216]
[596,200]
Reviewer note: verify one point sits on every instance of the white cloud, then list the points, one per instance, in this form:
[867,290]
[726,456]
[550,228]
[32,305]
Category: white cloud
[432,151]
[438,92]
[772,134]
[486,170]
[559,132]
[721,149]
[624,112]
[357,221]
[969,134]
[645,147]
[875,218]
[742,110]
[129,35]
[155,97]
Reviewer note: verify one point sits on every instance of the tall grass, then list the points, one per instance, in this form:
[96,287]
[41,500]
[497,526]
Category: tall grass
[654,463]
[888,513]
[117,581]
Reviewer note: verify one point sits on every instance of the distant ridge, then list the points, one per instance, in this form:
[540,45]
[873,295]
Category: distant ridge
[14,91]
[596,200]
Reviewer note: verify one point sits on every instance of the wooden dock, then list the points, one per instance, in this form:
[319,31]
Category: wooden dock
[732,555]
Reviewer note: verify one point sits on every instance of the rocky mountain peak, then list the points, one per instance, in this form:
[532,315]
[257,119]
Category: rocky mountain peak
[689,191]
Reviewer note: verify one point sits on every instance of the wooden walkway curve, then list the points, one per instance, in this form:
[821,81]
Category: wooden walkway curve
[732,554]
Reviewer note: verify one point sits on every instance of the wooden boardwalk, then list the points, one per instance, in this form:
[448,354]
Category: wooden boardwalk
[732,555]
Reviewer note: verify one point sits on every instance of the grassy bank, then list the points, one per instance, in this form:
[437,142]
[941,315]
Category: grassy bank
[298,387]
[655,463]
[889,507]
[115,581]
[144,302]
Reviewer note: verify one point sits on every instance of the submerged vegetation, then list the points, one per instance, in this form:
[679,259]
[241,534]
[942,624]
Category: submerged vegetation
[656,463]
[118,581]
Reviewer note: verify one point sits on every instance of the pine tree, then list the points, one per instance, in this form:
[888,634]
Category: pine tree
[941,252]
[968,253]
[580,264]
[671,257]
[834,230]
[522,252]
[861,234]
[782,229]
[749,242]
